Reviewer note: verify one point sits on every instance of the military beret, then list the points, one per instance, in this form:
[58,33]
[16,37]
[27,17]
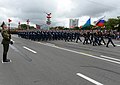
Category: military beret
[2,24]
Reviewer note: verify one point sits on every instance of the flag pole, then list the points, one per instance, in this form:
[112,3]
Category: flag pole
[28,24]
[9,25]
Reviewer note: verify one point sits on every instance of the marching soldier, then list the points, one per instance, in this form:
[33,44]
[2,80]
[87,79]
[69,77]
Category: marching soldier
[5,41]
[78,35]
[109,36]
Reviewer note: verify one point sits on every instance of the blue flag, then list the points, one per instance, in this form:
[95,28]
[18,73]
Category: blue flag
[88,23]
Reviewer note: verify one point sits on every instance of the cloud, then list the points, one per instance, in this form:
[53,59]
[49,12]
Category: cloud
[61,10]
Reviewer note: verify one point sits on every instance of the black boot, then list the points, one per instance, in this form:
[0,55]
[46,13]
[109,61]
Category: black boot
[5,58]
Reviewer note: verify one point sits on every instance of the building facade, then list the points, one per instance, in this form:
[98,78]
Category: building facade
[73,23]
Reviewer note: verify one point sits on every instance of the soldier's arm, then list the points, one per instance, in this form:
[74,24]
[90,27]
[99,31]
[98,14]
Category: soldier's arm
[5,35]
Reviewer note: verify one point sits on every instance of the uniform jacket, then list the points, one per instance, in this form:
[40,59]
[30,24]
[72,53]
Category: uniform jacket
[6,37]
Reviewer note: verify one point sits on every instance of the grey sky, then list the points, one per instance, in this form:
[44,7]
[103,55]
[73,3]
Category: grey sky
[62,10]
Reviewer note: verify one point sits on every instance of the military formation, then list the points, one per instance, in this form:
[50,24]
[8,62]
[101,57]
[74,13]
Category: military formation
[95,38]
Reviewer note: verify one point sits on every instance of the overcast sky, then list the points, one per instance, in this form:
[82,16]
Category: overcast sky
[62,10]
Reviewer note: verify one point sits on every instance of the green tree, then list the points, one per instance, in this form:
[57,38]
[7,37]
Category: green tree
[24,26]
[31,27]
[111,23]
[118,28]
[76,28]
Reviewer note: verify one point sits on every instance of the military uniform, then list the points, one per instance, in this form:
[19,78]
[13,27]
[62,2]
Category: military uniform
[5,41]
[109,36]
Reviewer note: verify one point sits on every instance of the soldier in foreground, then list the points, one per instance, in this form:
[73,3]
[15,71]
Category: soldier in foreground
[5,41]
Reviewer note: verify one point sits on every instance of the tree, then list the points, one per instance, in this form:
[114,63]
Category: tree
[111,23]
[24,26]
[31,27]
[118,28]
[76,28]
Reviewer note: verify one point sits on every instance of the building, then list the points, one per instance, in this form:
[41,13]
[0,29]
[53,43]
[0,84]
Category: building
[73,23]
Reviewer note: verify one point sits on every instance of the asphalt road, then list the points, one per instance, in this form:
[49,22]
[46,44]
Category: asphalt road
[60,63]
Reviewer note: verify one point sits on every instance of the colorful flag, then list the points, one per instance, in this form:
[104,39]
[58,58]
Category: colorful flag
[88,23]
[95,22]
[9,20]
[100,23]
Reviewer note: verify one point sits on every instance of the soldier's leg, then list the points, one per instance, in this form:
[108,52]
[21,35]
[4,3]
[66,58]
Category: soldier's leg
[77,40]
[108,43]
[112,43]
[104,41]
[5,51]
[84,41]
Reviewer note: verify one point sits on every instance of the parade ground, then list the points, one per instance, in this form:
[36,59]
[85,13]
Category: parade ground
[60,63]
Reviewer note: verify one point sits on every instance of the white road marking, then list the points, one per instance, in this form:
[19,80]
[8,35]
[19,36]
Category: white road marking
[29,49]
[49,44]
[117,41]
[111,44]
[14,48]
[82,53]
[89,79]
[72,43]
[117,44]
[110,58]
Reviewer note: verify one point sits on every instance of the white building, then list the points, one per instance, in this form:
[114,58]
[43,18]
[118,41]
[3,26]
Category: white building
[73,23]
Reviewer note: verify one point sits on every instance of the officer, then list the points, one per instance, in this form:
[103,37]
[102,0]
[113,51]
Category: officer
[5,41]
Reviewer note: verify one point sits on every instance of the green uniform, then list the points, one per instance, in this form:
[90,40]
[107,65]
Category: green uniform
[5,41]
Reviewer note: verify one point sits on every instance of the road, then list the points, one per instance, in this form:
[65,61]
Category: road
[60,63]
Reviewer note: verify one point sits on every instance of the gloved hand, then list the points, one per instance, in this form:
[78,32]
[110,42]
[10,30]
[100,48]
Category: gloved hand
[11,41]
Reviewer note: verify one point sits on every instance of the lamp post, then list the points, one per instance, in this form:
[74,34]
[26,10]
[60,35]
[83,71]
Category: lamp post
[48,22]
[9,20]
[19,25]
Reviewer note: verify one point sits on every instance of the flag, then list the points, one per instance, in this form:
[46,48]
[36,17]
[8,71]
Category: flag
[19,23]
[37,26]
[100,23]
[28,21]
[9,20]
[88,23]
[80,27]
[48,15]
[95,22]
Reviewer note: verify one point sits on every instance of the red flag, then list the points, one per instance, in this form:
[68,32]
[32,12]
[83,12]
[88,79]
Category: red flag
[28,21]
[100,23]
[9,20]
[80,27]
[48,15]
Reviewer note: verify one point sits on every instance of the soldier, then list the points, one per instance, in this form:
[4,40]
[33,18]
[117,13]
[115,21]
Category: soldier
[101,38]
[78,35]
[85,38]
[5,41]
[95,39]
[109,36]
